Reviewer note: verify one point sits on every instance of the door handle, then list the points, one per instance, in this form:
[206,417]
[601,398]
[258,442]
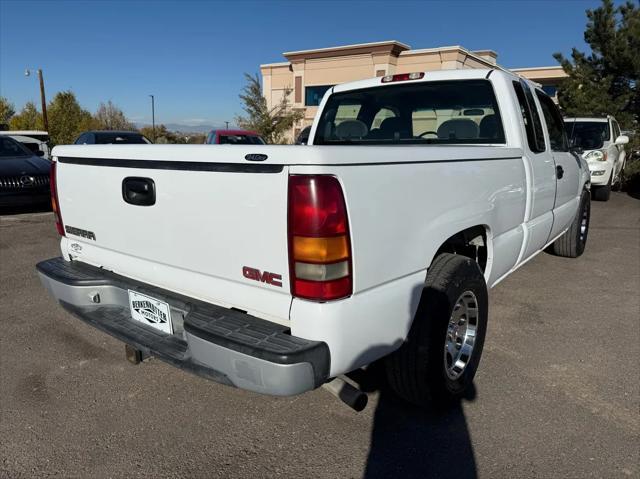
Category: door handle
[559,172]
[139,191]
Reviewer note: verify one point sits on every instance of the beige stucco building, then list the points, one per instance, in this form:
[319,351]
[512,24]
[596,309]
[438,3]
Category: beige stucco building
[310,73]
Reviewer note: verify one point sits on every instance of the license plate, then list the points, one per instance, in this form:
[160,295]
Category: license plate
[150,311]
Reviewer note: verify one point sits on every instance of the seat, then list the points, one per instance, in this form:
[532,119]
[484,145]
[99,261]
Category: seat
[390,127]
[349,129]
[457,129]
[489,127]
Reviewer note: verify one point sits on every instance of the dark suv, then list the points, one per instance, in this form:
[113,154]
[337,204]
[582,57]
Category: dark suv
[108,137]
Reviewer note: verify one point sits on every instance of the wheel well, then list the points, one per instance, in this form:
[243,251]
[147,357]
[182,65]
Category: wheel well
[471,242]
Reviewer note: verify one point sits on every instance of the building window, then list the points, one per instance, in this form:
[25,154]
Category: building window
[550,90]
[313,94]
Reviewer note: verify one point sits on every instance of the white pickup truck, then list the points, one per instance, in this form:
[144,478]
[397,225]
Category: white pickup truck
[277,268]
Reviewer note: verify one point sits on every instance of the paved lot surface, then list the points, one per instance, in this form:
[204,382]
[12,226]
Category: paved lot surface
[557,394]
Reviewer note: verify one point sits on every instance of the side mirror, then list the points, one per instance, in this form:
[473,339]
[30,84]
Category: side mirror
[41,153]
[622,140]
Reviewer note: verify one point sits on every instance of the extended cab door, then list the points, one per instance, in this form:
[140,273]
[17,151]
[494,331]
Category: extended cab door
[567,166]
[542,173]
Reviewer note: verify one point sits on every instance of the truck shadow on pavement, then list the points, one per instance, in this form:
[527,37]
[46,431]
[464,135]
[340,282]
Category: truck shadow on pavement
[410,442]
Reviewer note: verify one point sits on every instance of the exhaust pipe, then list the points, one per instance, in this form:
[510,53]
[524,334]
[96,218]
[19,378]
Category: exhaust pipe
[347,393]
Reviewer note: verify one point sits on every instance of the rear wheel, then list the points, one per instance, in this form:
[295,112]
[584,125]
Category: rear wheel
[439,359]
[572,243]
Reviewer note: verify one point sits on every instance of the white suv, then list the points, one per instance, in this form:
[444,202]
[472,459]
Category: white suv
[603,147]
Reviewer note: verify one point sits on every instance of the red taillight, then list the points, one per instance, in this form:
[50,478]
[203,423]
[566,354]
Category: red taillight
[403,77]
[319,246]
[55,204]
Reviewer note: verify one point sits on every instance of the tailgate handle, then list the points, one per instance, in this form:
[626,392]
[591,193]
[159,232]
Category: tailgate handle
[139,191]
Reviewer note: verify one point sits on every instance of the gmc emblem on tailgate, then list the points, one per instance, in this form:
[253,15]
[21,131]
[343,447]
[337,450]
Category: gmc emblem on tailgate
[266,277]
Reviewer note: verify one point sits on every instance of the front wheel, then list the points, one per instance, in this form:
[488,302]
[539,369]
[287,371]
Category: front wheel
[602,193]
[439,359]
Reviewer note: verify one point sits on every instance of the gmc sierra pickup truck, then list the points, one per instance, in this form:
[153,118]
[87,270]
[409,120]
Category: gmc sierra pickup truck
[278,268]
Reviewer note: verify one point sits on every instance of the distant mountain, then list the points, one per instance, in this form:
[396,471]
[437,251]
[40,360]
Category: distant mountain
[184,128]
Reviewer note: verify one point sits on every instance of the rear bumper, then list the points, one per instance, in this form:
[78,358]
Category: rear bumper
[221,344]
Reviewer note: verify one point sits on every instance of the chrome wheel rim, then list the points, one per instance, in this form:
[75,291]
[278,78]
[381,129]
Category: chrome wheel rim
[584,223]
[461,335]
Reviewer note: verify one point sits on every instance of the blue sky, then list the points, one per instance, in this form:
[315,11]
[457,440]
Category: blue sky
[192,54]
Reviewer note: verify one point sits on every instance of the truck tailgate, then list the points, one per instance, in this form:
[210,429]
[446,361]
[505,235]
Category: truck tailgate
[214,230]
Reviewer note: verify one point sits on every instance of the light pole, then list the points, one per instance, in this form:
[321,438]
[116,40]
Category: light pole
[45,120]
[153,116]
[227,123]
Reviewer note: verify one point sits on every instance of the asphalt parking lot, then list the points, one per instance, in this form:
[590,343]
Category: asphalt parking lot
[557,393]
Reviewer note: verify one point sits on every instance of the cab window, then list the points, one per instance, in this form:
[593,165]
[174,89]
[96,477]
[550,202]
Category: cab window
[555,124]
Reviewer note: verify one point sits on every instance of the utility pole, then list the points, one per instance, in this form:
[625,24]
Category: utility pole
[43,99]
[153,117]
[227,123]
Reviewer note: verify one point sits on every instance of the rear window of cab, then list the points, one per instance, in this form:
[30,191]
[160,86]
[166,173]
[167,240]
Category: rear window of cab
[439,112]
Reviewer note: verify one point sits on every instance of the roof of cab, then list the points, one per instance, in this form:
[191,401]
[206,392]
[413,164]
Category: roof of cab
[454,74]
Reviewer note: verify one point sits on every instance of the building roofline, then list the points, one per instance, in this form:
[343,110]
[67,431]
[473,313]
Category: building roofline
[555,67]
[348,47]
[276,64]
[431,50]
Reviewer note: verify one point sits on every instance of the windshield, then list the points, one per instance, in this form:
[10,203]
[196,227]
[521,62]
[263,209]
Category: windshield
[120,138]
[10,148]
[588,135]
[444,112]
[240,140]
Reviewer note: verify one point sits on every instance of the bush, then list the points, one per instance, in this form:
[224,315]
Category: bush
[631,182]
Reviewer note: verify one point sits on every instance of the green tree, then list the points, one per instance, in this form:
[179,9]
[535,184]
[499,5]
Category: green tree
[7,110]
[606,80]
[29,118]
[272,123]
[162,135]
[67,119]
[110,117]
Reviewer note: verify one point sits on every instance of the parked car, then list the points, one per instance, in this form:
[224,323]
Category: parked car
[233,137]
[24,176]
[603,149]
[303,137]
[35,140]
[108,137]
[378,241]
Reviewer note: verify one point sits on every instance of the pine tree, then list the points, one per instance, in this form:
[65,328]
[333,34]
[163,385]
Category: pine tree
[606,80]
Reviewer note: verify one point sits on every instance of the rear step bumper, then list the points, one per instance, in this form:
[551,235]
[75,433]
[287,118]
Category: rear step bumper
[221,344]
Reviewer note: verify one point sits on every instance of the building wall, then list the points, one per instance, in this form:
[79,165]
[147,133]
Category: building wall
[331,66]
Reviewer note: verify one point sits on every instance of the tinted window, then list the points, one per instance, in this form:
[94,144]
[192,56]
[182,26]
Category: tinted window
[555,124]
[588,135]
[420,113]
[10,148]
[32,147]
[240,140]
[550,90]
[537,123]
[313,94]
[120,138]
[527,119]
[303,137]
[616,130]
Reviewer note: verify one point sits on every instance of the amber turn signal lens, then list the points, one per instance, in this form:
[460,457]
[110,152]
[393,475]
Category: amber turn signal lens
[320,250]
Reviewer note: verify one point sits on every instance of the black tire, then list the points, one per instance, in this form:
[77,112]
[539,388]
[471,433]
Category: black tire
[417,372]
[602,193]
[572,243]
